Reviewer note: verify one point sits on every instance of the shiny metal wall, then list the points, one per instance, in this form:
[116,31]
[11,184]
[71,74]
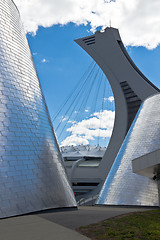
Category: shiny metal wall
[122,186]
[31,173]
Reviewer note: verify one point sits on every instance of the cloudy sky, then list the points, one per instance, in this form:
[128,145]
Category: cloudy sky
[52,25]
[138,20]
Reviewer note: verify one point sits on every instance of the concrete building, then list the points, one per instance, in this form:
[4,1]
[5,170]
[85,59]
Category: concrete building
[79,160]
[32,176]
[130,88]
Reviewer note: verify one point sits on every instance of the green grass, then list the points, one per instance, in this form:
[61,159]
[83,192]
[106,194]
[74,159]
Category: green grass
[133,226]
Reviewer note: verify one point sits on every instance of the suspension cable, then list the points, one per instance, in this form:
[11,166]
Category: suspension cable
[92,85]
[76,96]
[91,73]
[102,109]
[84,102]
[72,92]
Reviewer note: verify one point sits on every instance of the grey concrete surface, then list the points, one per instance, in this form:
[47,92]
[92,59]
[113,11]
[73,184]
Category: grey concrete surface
[87,215]
[58,224]
[31,227]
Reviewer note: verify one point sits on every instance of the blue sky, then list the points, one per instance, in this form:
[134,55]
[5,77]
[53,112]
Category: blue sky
[60,62]
[65,62]
[64,58]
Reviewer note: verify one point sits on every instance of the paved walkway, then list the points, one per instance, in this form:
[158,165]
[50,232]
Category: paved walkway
[86,215]
[32,227]
[57,224]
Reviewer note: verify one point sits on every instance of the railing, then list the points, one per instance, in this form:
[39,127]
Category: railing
[89,201]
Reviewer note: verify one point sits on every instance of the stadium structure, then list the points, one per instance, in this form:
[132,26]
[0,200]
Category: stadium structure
[81,159]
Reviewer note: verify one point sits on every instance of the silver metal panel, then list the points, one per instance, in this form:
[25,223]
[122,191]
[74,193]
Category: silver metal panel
[122,186]
[32,176]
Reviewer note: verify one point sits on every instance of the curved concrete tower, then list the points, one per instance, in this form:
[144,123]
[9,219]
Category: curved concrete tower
[130,88]
[32,176]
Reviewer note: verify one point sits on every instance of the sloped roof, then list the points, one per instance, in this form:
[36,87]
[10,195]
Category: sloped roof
[83,151]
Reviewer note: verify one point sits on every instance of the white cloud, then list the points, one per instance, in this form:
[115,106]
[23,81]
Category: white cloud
[110,99]
[70,121]
[138,20]
[100,124]
[74,140]
[44,60]
[64,119]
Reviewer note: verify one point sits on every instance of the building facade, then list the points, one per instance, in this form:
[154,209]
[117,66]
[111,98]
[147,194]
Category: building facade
[147,163]
[122,186]
[32,176]
[80,161]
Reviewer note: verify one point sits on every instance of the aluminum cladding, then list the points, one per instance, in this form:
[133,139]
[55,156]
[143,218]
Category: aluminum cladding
[32,176]
[122,186]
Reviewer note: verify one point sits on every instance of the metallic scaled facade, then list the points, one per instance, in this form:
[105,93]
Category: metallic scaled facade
[122,186]
[32,176]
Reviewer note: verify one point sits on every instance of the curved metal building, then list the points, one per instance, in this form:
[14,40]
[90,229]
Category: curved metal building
[32,176]
[130,88]
[122,186]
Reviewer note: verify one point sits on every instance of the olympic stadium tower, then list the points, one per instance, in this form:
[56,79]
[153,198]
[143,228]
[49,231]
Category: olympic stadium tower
[128,142]
[32,176]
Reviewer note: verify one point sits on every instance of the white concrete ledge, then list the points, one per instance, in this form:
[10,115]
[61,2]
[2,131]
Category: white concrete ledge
[147,165]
